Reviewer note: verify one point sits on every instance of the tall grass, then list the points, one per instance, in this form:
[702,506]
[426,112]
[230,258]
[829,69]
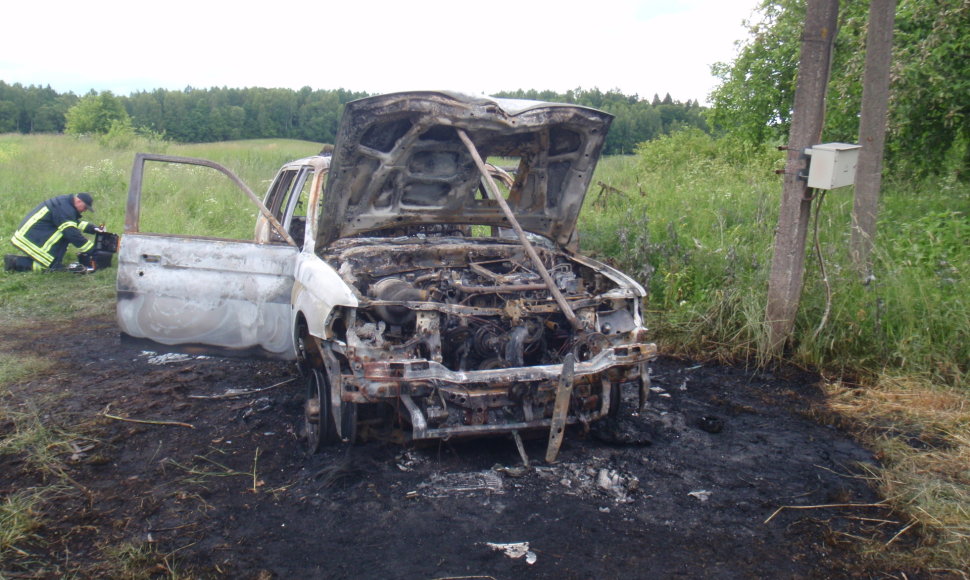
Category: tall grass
[19,520]
[921,434]
[696,224]
[35,167]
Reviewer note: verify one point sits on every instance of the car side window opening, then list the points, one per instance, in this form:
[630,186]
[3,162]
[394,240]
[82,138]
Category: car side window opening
[298,213]
[287,202]
[280,193]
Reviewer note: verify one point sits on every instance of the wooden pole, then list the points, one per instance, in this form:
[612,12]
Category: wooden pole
[788,262]
[872,132]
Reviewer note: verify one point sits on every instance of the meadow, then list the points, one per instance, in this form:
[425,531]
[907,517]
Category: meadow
[692,218]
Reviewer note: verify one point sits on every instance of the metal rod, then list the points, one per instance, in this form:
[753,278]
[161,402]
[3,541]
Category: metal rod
[497,196]
[560,408]
[499,289]
[521,448]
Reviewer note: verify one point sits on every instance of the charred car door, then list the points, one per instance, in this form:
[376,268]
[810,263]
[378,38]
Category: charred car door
[207,294]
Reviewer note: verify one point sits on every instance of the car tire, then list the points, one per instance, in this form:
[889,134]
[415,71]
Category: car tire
[317,412]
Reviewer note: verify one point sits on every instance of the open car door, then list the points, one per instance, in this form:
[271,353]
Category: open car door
[204,294]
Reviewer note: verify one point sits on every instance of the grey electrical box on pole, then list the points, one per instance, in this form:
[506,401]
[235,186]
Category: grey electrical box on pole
[832,165]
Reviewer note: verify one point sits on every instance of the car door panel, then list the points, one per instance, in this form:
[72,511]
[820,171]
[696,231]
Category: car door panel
[228,294]
[201,294]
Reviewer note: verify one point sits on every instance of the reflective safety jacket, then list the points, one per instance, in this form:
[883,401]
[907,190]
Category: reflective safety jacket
[49,227]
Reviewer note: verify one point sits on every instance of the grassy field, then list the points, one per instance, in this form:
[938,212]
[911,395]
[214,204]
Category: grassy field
[691,218]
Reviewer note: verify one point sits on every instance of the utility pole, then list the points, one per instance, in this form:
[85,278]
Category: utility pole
[872,132]
[788,262]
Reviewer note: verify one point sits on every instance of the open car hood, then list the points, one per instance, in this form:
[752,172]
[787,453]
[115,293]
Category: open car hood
[398,162]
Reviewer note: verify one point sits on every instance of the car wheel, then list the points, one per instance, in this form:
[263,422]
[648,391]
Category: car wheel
[347,411]
[317,415]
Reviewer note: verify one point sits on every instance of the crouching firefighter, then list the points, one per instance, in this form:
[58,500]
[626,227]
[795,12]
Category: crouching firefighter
[48,229]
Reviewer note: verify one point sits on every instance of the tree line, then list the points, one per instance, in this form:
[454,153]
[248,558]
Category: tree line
[636,120]
[929,108]
[222,114]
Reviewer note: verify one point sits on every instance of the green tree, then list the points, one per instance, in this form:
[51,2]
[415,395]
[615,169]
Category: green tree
[47,119]
[145,110]
[275,112]
[636,120]
[930,100]
[318,117]
[31,109]
[95,114]
[9,116]
[756,91]
[41,111]
[175,110]
[929,112]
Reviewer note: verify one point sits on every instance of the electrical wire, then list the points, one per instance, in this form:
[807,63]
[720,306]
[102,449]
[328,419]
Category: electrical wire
[821,266]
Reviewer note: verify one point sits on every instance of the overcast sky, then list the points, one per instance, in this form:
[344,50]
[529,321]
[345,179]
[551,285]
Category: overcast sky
[637,46]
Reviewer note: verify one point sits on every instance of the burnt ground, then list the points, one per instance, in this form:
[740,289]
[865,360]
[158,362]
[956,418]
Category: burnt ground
[727,448]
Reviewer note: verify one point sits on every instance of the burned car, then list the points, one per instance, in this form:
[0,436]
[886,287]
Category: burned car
[424,276]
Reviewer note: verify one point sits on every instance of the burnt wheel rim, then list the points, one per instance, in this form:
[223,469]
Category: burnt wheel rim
[314,412]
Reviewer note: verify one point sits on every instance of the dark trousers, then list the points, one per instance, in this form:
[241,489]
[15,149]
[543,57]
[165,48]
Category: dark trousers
[15,263]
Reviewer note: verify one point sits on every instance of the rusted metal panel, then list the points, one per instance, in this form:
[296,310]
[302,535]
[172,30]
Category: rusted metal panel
[398,161]
[564,393]
[422,370]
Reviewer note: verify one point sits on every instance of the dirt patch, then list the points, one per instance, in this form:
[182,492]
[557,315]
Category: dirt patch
[683,490]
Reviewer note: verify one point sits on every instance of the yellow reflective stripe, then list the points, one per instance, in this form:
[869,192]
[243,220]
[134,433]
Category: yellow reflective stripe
[35,255]
[41,254]
[31,250]
[20,240]
[56,236]
[38,267]
[33,220]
